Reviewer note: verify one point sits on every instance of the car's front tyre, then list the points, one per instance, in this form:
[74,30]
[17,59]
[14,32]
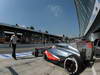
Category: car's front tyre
[45,57]
[72,65]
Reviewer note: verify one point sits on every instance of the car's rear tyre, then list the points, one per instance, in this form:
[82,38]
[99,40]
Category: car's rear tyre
[72,65]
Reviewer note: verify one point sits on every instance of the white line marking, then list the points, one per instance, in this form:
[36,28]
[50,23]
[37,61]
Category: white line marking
[8,56]
[93,70]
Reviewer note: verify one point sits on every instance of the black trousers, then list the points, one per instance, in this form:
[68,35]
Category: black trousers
[14,51]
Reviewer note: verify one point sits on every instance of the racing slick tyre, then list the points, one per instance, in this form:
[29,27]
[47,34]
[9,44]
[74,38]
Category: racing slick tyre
[73,65]
[45,57]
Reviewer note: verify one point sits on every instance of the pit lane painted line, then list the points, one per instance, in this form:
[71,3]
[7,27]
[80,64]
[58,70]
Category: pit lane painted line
[94,71]
[8,56]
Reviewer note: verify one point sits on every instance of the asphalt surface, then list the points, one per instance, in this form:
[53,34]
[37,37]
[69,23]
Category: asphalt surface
[30,65]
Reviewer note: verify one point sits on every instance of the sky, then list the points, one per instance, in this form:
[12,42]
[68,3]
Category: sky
[58,17]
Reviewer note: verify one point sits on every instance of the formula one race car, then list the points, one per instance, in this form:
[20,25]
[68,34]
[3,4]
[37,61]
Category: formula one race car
[66,54]
[62,52]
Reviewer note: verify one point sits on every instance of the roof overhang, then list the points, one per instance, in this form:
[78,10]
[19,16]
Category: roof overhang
[93,17]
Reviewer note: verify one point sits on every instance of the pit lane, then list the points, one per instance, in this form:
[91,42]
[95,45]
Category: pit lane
[31,65]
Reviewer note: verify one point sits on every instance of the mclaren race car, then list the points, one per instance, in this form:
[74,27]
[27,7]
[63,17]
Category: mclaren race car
[67,54]
[72,58]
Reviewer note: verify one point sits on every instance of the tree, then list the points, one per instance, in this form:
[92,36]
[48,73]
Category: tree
[27,27]
[17,25]
[31,27]
[46,31]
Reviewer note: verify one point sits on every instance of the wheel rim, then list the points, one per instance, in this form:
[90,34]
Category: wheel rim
[71,65]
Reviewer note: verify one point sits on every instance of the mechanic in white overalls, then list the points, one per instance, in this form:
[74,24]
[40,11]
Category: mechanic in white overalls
[13,41]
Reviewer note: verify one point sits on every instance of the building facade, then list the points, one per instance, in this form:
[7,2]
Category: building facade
[87,11]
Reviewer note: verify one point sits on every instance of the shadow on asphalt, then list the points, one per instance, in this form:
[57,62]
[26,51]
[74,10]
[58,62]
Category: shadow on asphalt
[57,63]
[84,67]
[13,72]
[22,58]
